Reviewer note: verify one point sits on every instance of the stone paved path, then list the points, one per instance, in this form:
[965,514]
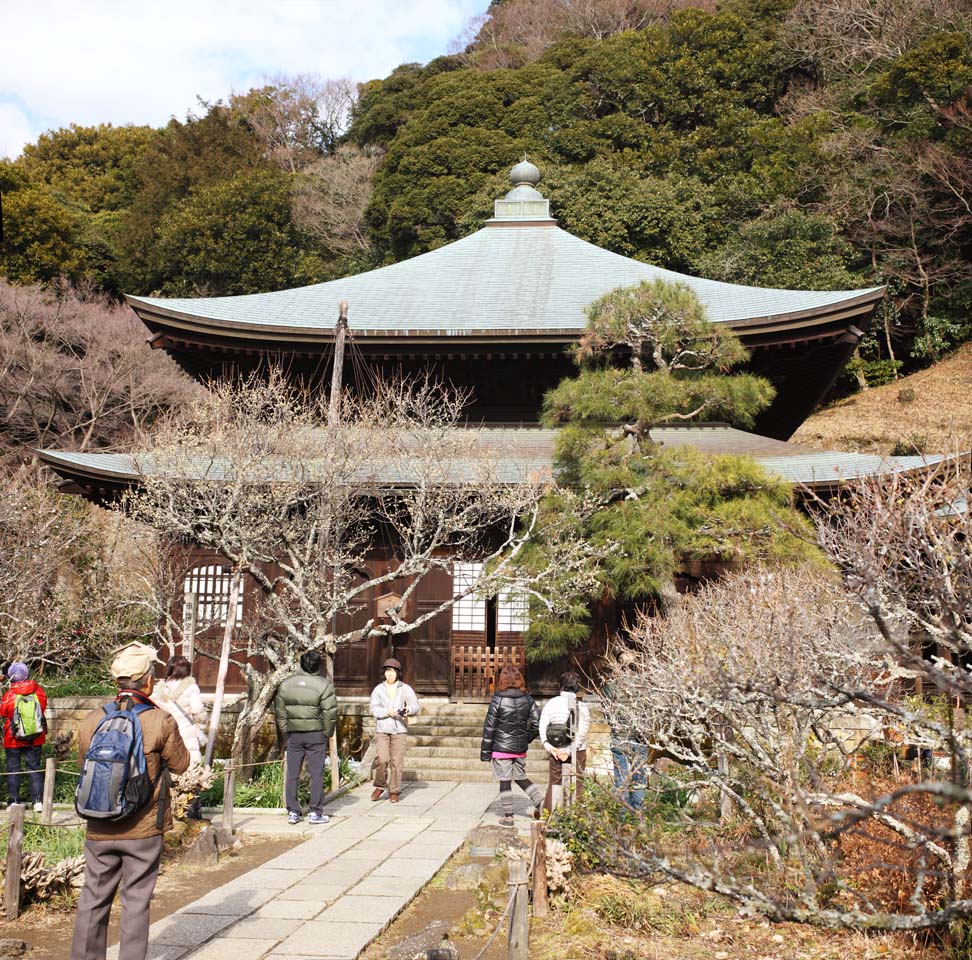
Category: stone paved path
[331,895]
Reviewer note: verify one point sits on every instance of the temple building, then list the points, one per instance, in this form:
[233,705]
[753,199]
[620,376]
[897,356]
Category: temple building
[494,314]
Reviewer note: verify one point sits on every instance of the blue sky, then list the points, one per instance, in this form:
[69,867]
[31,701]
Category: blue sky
[143,61]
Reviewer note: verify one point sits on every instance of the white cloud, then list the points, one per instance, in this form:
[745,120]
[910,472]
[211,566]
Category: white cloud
[15,129]
[142,61]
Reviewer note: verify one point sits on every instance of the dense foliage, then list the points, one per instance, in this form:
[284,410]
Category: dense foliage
[816,143]
[649,356]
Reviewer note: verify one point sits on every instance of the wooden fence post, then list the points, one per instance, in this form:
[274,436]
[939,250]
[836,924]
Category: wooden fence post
[538,842]
[15,856]
[50,773]
[229,789]
[519,937]
[283,785]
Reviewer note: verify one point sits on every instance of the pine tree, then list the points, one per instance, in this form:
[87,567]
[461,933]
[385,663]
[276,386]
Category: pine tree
[649,356]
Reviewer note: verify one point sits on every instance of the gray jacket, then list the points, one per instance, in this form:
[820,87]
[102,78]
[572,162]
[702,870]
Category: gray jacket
[385,711]
[305,703]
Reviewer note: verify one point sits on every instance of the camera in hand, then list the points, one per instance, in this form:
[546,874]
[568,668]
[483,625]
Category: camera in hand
[403,711]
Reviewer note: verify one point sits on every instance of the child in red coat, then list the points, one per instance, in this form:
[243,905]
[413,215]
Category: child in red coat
[22,755]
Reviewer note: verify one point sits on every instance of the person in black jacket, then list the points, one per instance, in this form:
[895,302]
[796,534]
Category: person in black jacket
[512,724]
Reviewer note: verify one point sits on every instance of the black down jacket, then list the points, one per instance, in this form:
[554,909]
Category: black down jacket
[512,723]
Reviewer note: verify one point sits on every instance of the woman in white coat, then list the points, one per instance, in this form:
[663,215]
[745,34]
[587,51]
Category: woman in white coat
[179,695]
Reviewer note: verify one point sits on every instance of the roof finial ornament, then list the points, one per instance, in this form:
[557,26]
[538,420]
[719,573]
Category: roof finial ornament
[525,173]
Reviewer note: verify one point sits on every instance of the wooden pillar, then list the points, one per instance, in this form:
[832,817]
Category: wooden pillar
[229,789]
[538,842]
[519,936]
[15,856]
[50,774]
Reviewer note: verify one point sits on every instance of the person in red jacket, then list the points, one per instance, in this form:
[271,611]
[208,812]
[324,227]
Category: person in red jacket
[23,754]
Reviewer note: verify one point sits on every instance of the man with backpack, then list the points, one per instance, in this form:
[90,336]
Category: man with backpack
[128,749]
[23,707]
[564,723]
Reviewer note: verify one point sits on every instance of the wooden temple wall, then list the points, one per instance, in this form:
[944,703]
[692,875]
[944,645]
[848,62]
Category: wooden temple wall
[429,654]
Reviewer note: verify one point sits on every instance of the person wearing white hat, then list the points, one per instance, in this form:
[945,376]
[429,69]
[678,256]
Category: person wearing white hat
[127,852]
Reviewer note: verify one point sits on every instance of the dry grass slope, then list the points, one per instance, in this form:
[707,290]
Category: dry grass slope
[931,409]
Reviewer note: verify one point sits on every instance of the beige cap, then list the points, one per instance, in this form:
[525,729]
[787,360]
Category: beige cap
[133,661]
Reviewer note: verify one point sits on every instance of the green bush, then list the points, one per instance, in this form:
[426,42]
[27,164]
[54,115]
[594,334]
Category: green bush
[92,680]
[266,787]
[56,843]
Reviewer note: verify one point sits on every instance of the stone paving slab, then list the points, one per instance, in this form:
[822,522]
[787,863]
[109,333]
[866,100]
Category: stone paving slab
[237,902]
[331,895]
[225,949]
[189,929]
[321,893]
[293,909]
[377,909]
[331,939]
[265,928]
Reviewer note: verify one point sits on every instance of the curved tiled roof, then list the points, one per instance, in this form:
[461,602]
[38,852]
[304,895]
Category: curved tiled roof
[507,278]
[519,452]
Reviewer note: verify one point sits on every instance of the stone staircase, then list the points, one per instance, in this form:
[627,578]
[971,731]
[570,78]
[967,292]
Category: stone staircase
[444,745]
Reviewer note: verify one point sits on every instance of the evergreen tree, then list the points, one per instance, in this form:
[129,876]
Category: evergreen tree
[650,356]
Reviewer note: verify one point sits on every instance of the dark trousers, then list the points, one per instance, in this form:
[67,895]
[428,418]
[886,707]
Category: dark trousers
[312,748]
[555,770]
[29,759]
[135,865]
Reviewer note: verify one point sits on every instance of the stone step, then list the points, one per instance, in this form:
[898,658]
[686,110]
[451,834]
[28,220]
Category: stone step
[460,765]
[468,776]
[463,752]
[446,730]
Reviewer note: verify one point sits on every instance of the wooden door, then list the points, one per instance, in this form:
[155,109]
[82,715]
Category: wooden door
[425,652]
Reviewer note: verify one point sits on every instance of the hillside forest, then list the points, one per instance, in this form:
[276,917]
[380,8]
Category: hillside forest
[790,143]
[807,144]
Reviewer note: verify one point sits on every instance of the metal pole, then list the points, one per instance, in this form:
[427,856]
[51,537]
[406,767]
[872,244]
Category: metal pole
[333,419]
[15,856]
[50,773]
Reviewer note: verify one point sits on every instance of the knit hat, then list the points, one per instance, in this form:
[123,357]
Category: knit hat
[17,671]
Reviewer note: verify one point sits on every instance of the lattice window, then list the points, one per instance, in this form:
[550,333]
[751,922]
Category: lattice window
[469,613]
[211,585]
[512,611]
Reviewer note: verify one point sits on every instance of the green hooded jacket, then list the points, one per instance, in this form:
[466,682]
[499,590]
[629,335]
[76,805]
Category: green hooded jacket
[305,703]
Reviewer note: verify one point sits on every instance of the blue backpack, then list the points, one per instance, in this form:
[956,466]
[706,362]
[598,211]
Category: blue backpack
[114,781]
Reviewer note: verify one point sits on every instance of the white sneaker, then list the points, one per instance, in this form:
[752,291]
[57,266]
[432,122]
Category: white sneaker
[318,818]
[38,807]
[293,818]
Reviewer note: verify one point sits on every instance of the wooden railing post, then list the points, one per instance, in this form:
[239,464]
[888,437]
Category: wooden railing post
[15,856]
[538,843]
[519,937]
[283,785]
[229,789]
[50,774]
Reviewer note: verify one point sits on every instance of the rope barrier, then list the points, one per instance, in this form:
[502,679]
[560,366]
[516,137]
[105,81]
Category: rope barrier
[23,773]
[244,766]
[499,926]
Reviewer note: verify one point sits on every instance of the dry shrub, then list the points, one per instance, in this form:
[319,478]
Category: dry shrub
[75,372]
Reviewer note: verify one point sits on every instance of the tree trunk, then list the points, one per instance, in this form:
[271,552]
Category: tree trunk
[223,665]
[252,714]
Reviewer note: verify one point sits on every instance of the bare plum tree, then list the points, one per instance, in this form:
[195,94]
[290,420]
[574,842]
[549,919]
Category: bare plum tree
[295,507]
[766,688]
